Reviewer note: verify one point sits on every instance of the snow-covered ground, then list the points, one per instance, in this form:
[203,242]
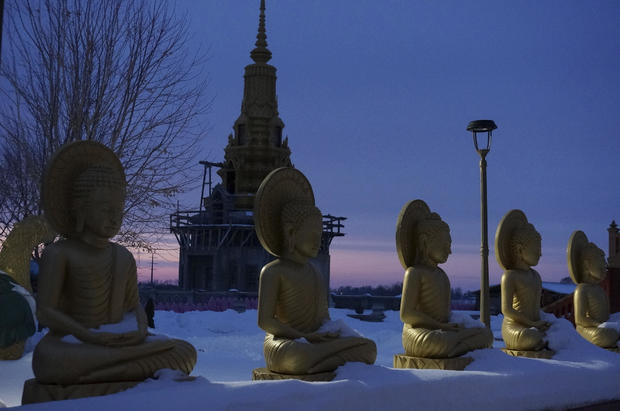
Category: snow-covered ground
[229,346]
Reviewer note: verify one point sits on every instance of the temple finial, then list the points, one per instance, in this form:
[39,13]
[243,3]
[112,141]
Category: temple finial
[261,54]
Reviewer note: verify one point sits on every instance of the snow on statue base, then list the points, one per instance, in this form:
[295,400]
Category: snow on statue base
[455,363]
[545,354]
[36,392]
[263,374]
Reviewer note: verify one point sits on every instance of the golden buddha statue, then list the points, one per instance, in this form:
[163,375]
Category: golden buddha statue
[88,291]
[423,242]
[517,250]
[292,297]
[587,268]
[17,305]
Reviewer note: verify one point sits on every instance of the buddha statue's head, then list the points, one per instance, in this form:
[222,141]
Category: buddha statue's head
[593,265]
[97,200]
[432,235]
[525,245]
[303,225]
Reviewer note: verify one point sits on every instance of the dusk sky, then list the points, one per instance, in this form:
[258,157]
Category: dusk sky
[376,96]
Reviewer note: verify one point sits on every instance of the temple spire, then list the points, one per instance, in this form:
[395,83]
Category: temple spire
[261,54]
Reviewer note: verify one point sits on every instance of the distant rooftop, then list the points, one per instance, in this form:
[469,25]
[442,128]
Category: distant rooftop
[560,288]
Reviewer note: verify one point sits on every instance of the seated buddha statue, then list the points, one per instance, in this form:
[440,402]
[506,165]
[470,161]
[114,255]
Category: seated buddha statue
[292,297]
[587,268]
[88,291]
[17,305]
[517,250]
[423,242]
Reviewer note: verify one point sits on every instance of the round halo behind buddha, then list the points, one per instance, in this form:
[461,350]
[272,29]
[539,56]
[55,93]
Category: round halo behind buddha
[282,186]
[406,242]
[576,244]
[511,222]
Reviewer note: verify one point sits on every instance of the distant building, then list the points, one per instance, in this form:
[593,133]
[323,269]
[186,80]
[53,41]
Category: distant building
[219,249]
[612,281]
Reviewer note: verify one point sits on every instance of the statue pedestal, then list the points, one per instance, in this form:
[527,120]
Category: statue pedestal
[407,361]
[12,352]
[614,349]
[36,392]
[264,374]
[545,354]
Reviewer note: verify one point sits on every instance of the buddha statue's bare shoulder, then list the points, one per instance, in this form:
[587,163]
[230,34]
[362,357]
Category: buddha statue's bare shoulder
[418,271]
[274,268]
[512,275]
[123,256]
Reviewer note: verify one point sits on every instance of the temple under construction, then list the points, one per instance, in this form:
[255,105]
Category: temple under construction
[219,249]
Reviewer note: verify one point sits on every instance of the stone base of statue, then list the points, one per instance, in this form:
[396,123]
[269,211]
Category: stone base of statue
[407,361]
[36,392]
[545,354]
[12,352]
[614,349]
[264,374]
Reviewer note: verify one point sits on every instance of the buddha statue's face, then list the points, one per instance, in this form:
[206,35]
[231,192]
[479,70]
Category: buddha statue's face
[308,236]
[531,251]
[103,212]
[594,265]
[439,246]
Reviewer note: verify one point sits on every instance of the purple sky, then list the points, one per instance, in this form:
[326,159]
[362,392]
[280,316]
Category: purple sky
[376,96]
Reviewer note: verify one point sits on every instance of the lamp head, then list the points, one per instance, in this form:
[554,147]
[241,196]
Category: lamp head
[481,126]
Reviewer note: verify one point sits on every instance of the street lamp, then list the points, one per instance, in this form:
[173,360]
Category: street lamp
[483,126]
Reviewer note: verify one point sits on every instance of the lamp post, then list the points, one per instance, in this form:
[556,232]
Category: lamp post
[483,126]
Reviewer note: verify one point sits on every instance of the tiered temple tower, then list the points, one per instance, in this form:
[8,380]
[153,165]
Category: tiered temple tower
[256,148]
[219,249]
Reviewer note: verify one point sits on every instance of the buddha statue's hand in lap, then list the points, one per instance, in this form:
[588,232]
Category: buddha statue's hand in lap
[88,294]
[292,301]
[518,249]
[587,268]
[423,241]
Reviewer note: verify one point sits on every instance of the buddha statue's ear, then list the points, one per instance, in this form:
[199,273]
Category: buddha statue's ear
[423,244]
[587,270]
[79,221]
[289,237]
[587,266]
[518,249]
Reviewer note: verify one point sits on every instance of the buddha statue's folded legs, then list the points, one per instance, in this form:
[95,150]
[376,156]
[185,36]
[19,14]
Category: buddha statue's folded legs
[59,362]
[296,357]
[422,342]
[603,337]
[519,337]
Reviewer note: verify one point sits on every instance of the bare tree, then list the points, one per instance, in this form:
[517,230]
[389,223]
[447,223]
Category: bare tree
[115,71]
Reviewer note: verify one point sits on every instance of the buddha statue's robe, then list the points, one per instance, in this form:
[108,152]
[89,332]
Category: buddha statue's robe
[592,309]
[84,287]
[426,295]
[523,290]
[301,304]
